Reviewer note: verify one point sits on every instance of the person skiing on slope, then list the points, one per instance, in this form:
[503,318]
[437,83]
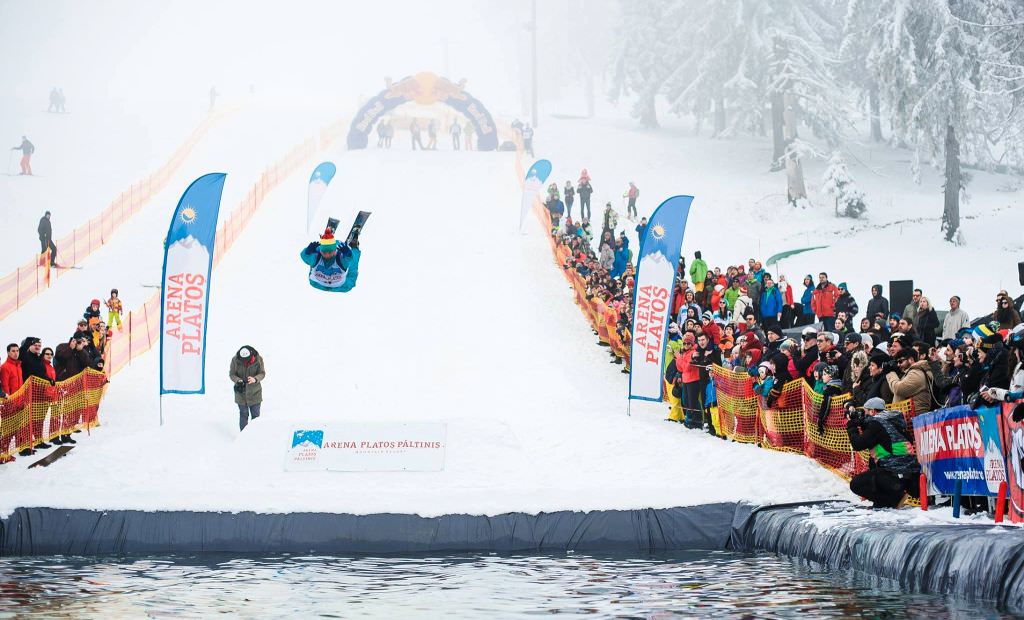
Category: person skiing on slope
[333,266]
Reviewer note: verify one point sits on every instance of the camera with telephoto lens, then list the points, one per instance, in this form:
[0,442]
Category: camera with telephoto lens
[239,386]
[854,414]
[890,366]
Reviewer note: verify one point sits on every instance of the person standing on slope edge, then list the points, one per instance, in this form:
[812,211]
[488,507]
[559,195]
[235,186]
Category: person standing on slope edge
[247,373]
[26,148]
[528,139]
[45,230]
[333,266]
[631,195]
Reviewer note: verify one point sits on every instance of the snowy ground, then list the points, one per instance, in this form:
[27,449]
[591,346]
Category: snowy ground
[740,211]
[84,159]
[456,318]
[242,145]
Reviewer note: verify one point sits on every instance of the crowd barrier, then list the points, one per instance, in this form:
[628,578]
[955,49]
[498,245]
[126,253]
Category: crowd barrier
[143,324]
[39,411]
[24,283]
[791,424]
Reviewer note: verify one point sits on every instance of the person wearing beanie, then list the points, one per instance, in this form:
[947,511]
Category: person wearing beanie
[894,478]
[771,303]
[846,303]
[710,327]
[912,381]
[333,266]
[877,305]
[698,272]
[114,309]
[805,315]
[92,312]
[247,372]
[832,386]
[690,378]
[956,319]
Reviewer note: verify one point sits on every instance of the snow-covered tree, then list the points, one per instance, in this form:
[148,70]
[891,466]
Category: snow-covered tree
[950,74]
[838,183]
[643,55]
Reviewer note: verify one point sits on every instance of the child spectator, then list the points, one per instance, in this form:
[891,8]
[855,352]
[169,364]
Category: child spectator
[114,310]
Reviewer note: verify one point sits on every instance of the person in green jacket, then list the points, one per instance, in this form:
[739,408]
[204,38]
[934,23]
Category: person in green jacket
[732,293]
[698,271]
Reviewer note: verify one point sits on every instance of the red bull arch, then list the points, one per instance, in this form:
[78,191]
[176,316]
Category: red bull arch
[424,89]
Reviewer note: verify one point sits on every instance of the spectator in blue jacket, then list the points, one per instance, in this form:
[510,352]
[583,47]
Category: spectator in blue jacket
[621,259]
[806,315]
[771,303]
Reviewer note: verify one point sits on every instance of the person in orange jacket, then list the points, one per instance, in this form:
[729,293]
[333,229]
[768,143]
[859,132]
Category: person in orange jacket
[823,301]
[690,374]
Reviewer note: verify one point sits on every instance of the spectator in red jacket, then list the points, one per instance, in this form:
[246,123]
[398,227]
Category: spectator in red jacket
[10,371]
[823,301]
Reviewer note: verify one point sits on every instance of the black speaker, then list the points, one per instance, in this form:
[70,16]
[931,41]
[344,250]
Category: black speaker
[1020,273]
[900,293]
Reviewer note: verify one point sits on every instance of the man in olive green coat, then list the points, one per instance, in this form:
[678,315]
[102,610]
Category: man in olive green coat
[247,373]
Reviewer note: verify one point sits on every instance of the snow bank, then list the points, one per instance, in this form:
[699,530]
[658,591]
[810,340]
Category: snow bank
[456,318]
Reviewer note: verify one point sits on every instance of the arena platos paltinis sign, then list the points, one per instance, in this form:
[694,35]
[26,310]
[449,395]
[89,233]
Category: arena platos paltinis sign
[655,278]
[424,89]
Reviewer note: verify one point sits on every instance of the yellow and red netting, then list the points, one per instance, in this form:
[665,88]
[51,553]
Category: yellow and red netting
[39,411]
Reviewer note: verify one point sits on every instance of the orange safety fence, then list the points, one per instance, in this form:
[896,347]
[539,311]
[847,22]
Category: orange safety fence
[24,283]
[39,411]
[143,324]
[791,423]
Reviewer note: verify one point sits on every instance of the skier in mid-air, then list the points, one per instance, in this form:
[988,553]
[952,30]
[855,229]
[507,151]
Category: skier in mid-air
[333,266]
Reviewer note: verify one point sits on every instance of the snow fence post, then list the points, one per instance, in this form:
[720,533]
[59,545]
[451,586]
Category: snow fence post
[1001,502]
[923,493]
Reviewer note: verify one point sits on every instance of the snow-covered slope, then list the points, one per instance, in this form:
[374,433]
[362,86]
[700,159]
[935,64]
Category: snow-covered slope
[242,145]
[456,318]
[84,159]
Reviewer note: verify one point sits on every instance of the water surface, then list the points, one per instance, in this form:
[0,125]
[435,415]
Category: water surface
[719,584]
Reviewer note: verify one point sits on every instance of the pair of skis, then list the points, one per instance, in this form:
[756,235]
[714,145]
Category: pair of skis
[357,226]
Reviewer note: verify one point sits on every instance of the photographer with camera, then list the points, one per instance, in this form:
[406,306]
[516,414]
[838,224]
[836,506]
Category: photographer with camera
[911,380]
[247,373]
[893,470]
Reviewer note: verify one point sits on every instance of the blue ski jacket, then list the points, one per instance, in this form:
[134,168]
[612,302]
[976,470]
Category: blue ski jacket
[336,276]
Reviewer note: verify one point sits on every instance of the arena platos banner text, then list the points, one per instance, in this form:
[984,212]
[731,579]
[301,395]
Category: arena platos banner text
[652,299]
[535,178]
[960,443]
[318,183]
[185,290]
[411,446]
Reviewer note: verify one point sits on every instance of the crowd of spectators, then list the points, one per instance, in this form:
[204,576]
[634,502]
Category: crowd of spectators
[743,318]
[85,348]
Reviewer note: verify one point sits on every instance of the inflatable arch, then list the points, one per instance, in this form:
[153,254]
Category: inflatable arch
[424,88]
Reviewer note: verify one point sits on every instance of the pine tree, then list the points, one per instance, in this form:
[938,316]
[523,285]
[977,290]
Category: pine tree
[838,183]
[643,55]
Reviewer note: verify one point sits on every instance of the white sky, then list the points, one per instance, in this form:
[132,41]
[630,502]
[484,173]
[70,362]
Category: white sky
[115,50]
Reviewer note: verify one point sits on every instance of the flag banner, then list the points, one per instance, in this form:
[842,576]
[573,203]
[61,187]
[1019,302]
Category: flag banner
[535,178]
[318,183]
[652,297]
[960,443]
[185,291]
[1013,443]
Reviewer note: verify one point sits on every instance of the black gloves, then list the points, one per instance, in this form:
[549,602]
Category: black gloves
[311,248]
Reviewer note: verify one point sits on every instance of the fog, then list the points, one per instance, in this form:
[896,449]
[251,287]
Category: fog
[137,51]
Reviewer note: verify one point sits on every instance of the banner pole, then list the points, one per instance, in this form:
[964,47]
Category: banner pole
[161,410]
[629,404]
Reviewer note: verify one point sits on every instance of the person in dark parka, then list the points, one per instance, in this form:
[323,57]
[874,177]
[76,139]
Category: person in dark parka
[247,373]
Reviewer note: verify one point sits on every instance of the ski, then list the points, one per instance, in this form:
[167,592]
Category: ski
[332,223]
[53,456]
[357,226]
